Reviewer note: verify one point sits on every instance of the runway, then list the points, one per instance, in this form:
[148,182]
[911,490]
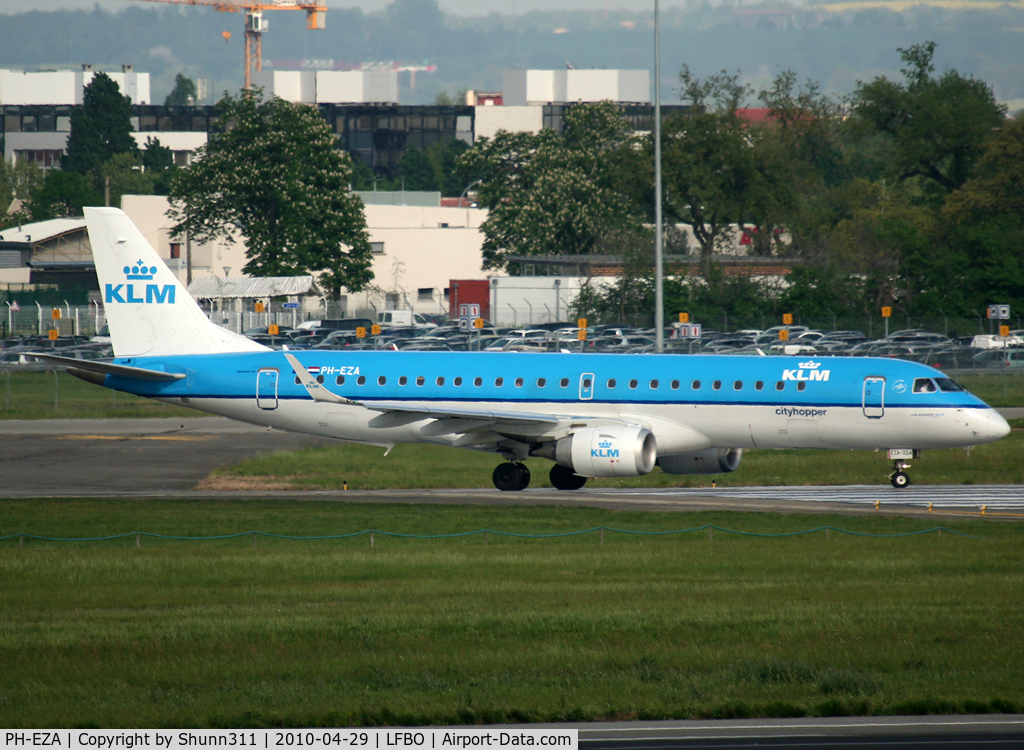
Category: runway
[169,457]
[920,732]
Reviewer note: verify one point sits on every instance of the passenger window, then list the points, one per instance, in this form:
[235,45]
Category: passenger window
[440,381]
[457,382]
[675,385]
[519,382]
[632,384]
[759,385]
[611,383]
[541,382]
[478,382]
[696,385]
[801,385]
[403,380]
[340,380]
[421,380]
[564,382]
[586,383]
[738,385]
[498,382]
[654,385]
[362,380]
[382,380]
[717,385]
[780,385]
[297,381]
[924,385]
[320,379]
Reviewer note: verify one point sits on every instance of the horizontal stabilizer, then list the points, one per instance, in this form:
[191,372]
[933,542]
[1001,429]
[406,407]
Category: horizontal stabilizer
[109,368]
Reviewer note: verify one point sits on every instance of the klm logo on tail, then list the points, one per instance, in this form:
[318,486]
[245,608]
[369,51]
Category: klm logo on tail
[154,294]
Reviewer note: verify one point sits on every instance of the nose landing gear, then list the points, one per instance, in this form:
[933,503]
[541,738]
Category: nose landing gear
[898,476]
[511,477]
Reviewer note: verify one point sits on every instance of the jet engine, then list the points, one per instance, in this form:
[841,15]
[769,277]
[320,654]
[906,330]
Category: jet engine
[710,461]
[604,451]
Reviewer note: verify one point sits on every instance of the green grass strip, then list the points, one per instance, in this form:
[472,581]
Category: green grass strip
[456,535]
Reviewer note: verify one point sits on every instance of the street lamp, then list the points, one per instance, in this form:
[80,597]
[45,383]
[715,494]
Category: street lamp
[659,292]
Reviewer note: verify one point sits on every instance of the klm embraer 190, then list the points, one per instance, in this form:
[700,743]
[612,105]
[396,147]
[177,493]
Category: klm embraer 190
[593,415]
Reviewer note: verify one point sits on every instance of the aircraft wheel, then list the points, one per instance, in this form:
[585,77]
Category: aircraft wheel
[510,477]
[562,478]
[900,480]
[524,476]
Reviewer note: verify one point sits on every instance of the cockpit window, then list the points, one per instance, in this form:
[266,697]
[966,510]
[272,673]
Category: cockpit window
[924,385]
[948,386]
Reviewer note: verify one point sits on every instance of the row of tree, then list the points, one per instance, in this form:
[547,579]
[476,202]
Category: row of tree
[907,193]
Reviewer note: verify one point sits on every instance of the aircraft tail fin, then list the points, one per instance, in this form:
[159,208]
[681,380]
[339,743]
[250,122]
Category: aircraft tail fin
[150,313]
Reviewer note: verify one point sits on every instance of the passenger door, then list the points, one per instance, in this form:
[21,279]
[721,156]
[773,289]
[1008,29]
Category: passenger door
[873,401]
[266,389]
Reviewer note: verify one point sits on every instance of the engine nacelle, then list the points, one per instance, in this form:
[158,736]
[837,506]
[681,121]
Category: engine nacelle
[604,451]
[710,461]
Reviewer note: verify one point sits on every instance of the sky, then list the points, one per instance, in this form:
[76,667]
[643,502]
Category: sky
[454,7]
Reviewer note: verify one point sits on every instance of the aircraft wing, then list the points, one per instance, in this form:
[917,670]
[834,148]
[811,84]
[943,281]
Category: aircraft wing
[109,368]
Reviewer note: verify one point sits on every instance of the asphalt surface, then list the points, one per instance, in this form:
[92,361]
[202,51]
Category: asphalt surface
[169,457]
[919,732]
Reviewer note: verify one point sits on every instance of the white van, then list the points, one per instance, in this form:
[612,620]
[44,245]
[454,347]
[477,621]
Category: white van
[403,319]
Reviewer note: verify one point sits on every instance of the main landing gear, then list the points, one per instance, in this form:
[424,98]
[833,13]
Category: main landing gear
[514,476]
[563,478]
[511,477]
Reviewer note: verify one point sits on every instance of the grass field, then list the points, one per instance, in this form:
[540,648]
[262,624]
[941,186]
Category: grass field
[44,395]
[474,629]
[33,395]
[429,466]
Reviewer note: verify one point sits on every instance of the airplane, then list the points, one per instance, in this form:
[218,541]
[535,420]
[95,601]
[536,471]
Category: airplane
[593,415]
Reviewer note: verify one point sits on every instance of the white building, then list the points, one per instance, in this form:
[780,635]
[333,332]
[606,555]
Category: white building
[534,87]
[417,250]
[22,87]
[330,86]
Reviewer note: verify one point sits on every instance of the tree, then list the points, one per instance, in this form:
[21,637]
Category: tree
[934,126]
[63,194]
[18,181]
[983,223]
[549,193]
[183,94]
[416,171]
[707,163]
[158,162]
[100,128]
[275,177]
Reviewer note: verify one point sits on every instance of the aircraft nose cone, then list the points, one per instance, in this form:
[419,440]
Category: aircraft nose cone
[989,425]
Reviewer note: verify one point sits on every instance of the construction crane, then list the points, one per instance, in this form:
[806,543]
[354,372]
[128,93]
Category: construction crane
[256,26]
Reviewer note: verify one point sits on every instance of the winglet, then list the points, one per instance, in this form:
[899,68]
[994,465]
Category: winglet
[316,391]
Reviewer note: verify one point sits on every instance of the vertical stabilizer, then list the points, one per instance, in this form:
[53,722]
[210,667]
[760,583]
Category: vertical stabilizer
[149,312]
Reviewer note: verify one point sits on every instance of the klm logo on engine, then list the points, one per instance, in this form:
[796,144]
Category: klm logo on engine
[604,450]
[151,294]
[807,371]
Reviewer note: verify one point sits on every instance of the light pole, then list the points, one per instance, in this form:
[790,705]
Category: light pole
[659,299]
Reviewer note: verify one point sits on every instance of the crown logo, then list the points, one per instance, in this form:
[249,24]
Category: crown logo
[140,272]
[605,444]
[810,365]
